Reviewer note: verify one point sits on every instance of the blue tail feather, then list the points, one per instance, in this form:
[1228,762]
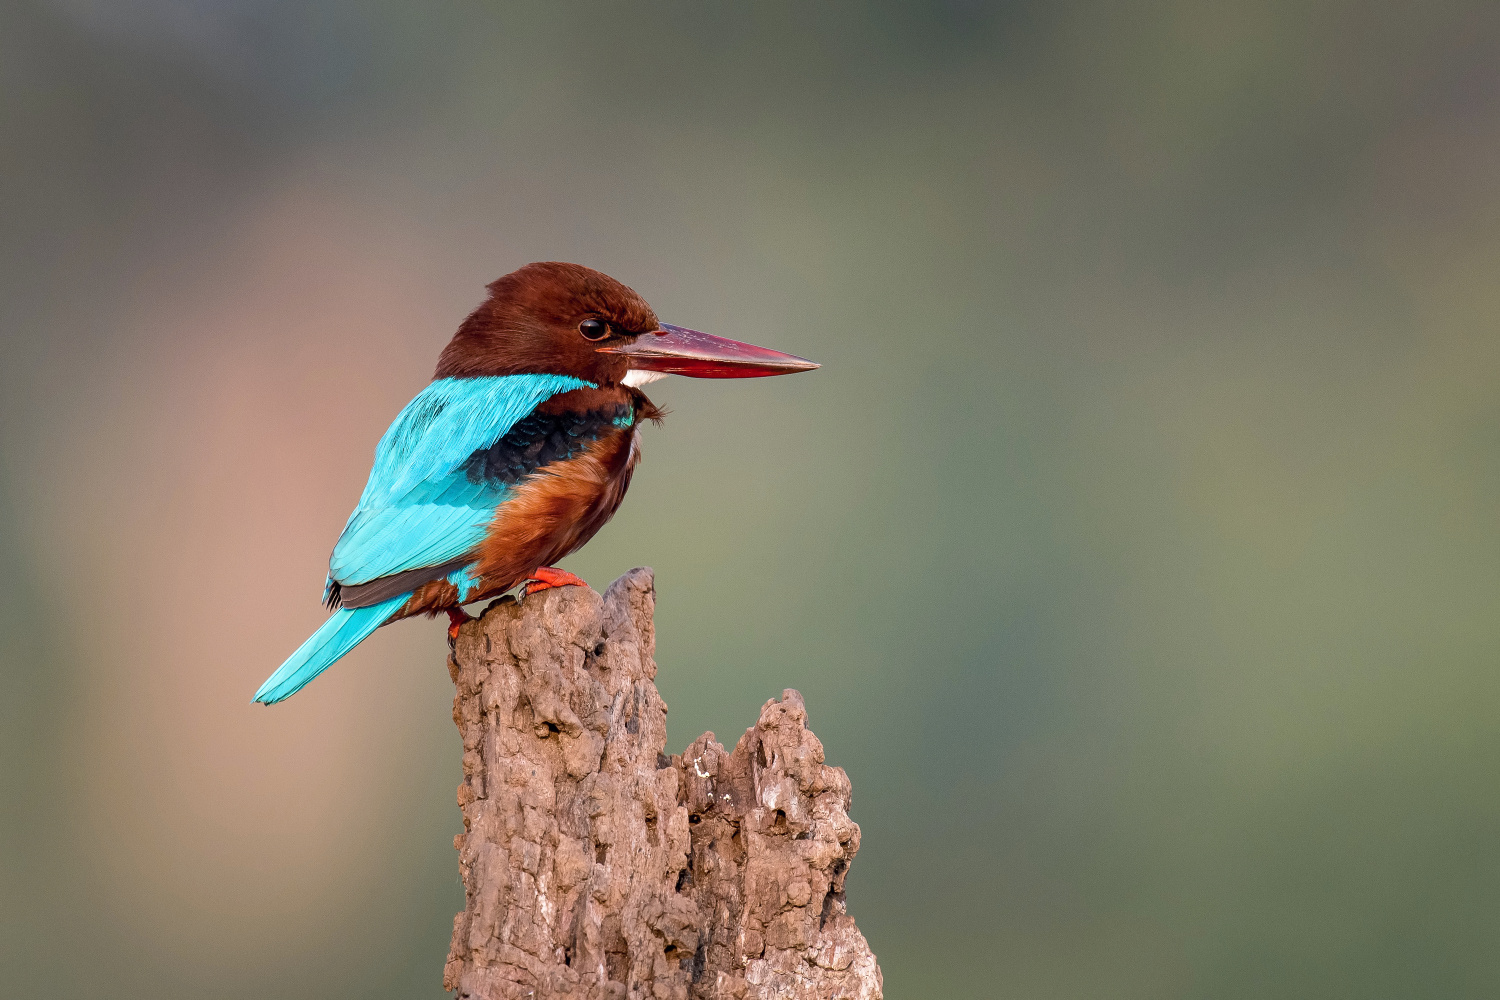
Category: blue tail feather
[344,629]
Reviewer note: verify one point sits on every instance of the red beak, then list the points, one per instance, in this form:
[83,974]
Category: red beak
[681,351]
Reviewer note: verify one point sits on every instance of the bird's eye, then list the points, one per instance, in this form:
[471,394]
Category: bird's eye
[594,329]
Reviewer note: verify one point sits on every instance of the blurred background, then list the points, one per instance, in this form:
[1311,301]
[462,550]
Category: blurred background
[1137,549]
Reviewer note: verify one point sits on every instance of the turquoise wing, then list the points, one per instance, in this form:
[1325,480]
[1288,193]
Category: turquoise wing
[420,509]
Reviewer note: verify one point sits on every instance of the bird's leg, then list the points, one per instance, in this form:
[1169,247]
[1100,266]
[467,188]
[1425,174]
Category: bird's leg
[457,619]
[544,577]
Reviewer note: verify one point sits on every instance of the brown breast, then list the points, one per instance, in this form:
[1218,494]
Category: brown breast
[555,511]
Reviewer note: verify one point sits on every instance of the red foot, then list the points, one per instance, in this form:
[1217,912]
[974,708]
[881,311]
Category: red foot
[457,619]
[546,576]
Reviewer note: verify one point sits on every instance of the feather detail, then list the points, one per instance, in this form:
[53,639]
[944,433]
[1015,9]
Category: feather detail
[467,413]
[421,507]
[344,629]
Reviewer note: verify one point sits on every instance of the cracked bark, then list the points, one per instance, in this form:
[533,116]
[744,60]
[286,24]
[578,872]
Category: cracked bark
[596,866]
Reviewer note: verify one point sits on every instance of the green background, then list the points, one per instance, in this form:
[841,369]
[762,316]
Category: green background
[1137,548]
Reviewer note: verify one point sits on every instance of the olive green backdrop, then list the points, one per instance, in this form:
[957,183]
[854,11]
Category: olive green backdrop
[1137,548]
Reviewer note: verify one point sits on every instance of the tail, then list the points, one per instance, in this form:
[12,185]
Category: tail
[344,629]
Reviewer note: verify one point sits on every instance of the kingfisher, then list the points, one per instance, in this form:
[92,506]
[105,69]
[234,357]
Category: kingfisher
[515,455]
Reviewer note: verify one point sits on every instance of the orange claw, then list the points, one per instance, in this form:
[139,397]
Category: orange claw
[457,619]
[546,576]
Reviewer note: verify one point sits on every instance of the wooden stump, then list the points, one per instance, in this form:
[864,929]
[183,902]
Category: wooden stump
[596,866]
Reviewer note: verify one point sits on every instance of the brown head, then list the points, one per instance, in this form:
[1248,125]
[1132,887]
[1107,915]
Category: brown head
[566,319]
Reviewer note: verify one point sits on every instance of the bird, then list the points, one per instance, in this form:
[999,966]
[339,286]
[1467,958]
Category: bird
[515,454]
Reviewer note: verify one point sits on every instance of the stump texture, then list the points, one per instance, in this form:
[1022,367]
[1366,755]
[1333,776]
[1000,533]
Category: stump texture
[596,866]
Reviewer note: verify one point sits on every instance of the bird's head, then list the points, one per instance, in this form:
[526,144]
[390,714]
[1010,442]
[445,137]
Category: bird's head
[565,319]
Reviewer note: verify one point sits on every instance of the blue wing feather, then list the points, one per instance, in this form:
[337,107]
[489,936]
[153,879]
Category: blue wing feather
[344,629]
[419,507]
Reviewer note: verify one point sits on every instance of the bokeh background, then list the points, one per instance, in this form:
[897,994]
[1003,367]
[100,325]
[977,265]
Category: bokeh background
[1137,549]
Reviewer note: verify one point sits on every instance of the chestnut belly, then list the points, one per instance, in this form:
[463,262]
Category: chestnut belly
[547,515]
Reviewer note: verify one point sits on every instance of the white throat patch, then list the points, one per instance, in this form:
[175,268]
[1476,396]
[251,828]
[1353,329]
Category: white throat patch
[636,377]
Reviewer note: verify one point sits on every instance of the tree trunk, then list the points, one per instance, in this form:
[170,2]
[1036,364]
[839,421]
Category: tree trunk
[595,866]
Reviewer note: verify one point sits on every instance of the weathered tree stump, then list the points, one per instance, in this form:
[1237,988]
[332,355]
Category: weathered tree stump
[595,866]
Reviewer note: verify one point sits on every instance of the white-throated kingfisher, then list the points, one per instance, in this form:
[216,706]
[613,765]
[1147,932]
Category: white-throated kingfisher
[515,455]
